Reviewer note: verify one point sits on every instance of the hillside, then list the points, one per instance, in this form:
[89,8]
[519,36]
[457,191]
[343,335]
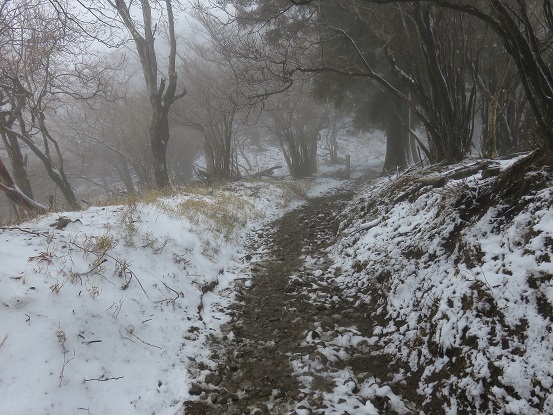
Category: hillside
[454,273]
[425,292]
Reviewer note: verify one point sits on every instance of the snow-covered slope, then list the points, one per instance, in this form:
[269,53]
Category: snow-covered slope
[103,315]
[457,270]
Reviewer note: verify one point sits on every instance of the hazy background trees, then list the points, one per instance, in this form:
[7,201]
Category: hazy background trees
[44,64]
[91,92]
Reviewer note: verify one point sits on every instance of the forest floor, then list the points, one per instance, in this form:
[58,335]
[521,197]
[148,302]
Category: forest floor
[282,319]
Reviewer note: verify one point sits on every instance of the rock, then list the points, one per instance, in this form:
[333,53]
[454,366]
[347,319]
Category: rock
[312,335]
[213,379]
[293,393]
[278,394]
[195,390]
[318,356]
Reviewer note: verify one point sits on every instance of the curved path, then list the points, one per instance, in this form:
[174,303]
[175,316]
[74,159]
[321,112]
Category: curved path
[284,351]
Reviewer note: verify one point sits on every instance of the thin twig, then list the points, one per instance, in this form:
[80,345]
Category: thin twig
[174,299]
[104,379]
[146,343]
[91,270]
[65,362]
[17,228]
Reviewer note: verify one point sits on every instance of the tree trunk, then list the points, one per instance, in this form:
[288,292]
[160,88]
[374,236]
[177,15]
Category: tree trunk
[490,142]
[312,155]
[8,186]
[159,137]
[56,173]
[125,174]
[397,139]
[19,164]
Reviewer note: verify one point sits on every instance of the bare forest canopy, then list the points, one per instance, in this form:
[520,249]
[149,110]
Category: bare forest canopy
[113,97]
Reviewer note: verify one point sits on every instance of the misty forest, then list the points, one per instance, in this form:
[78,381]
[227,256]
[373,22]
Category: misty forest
[276,207]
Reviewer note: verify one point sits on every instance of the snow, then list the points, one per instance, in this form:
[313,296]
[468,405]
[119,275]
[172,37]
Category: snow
[104,315]
[480,299]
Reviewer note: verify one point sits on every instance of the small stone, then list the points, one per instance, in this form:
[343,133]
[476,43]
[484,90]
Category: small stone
[195,390]
[318,356]
[213,379]
[294,393]
[278,394]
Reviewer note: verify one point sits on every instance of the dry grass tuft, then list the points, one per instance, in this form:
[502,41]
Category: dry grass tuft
[223,213]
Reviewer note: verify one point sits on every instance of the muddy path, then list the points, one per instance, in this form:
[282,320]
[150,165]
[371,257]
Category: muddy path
[279,353]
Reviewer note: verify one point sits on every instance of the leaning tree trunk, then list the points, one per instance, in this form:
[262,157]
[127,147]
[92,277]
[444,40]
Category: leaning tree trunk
[18,162]
[56,173]
[125,175]
[8,186]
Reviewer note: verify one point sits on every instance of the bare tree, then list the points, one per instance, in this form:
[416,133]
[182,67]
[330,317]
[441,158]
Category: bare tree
[35,78]
[296,121]
[525,27]
[143,21]
[210,109]
[217,100]
[111,138]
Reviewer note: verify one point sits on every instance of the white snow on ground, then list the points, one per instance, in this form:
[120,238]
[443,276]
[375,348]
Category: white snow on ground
[476,310]
[103,316]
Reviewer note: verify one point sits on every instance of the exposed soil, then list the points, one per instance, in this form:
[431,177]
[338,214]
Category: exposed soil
[287,312]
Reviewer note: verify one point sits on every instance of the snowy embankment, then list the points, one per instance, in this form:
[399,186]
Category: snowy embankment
[103,315]
[458,271]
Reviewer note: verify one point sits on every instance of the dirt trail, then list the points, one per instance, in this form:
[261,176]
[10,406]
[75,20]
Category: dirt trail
[284,318]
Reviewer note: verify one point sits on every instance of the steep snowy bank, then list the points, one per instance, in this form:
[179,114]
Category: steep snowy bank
[457,270]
